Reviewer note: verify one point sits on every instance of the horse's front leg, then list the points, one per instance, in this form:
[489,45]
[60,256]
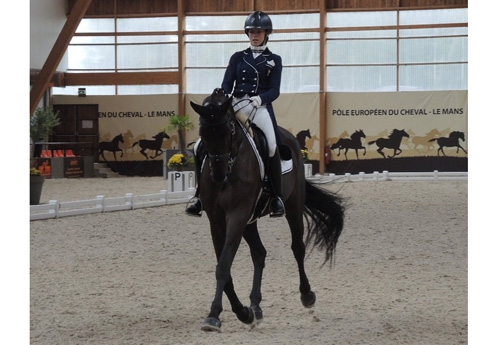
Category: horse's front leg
[258,253]
[397,151]
[227,246]
[157,153]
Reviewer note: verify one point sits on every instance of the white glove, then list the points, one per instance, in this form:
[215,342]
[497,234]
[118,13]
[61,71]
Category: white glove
[256,101]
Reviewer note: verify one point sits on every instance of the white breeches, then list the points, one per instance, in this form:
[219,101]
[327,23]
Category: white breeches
[260,116]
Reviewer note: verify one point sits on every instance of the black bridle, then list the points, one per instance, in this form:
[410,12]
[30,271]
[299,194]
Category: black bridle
[223,125]
[217,122]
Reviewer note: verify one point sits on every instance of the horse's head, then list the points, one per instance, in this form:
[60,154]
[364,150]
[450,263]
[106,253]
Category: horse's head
[457,135]
[358,134]
[398,133]
[161,135]
[217,128]
[119,137]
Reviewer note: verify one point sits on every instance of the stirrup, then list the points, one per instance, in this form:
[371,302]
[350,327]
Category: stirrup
[195,209]
[279,211]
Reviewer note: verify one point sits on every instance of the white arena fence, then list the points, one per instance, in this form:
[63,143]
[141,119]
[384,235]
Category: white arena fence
[182,188]
[387,176]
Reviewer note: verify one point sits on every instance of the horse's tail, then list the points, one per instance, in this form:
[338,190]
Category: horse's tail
[371,142]
[334,146]
[433,139]
[325,219]
[135,143]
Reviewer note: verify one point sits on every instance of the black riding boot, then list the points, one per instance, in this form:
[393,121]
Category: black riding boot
[276,206]
[196,208]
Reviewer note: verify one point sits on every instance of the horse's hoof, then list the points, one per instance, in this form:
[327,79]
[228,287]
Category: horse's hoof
[308,299]
[257,312]
[211,324]
[246,316]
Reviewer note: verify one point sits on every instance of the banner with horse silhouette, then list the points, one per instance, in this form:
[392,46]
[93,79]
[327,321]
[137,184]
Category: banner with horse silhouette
[397,131]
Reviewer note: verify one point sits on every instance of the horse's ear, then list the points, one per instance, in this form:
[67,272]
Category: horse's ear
[198,108]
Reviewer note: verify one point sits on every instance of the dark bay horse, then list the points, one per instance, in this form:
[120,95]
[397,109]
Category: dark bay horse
[230,186]
[451,141]
[112,146]
[153,145]
[393,142]
[354,142]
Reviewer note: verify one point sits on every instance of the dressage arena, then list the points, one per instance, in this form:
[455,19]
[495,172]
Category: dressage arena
[147,276]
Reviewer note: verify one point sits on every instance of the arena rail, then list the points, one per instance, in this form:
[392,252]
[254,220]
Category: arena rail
[100,204]
[388,176]
[56,209]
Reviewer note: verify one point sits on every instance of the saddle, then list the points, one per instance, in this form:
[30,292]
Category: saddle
[261,148]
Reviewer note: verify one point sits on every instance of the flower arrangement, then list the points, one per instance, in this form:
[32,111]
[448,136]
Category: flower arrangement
[35,172]
[179,160]
[305,154]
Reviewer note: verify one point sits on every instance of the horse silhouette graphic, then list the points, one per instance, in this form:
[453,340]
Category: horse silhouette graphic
[354,142]
[393,142]
[451,141]
[301,138]
[153,145]
[112,146]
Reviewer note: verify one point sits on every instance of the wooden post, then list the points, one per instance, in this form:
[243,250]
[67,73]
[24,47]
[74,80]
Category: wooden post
[57,52]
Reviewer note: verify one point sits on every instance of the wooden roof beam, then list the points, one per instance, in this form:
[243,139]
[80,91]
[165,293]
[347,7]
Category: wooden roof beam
[57,52]
[121,78]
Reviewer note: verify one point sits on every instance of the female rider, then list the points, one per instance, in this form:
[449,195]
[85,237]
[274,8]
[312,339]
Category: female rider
[253,77]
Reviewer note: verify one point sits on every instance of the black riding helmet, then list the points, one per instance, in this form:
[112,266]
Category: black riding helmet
[258,20]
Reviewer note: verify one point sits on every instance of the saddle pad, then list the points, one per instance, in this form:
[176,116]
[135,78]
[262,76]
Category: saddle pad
[286,166]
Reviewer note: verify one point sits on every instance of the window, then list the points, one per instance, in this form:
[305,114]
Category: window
[366,51]
[367,57]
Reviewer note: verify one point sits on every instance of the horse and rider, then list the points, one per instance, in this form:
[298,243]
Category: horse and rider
[232,187]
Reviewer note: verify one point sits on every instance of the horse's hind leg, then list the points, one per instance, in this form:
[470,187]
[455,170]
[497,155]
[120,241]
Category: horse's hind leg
[380,150]
[295,221]
[143,151]
[258,253]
